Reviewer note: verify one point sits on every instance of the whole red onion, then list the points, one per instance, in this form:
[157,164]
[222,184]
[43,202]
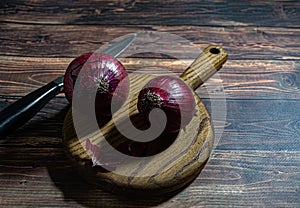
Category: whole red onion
[72,73]
[173,96]
[100,71]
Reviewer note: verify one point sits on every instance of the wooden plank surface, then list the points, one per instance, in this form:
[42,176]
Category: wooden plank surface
[256,161]
[140,12]
[273,79]
[233,178]
[258,43]
[269,128]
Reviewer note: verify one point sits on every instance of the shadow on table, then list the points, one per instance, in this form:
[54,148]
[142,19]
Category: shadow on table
[76,189]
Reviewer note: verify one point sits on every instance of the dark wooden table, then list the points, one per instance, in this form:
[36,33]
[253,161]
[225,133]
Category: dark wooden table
[256,162]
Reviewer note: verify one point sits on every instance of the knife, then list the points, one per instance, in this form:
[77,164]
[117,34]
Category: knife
[18,113]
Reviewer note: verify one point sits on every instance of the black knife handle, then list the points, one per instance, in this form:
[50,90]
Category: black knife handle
[18,113]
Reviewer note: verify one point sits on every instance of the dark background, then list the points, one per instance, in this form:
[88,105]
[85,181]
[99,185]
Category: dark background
[256,162]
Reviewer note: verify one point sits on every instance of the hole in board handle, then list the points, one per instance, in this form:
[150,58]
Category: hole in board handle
[214,51]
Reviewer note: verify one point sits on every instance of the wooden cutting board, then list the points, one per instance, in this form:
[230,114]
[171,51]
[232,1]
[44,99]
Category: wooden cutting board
[163,165]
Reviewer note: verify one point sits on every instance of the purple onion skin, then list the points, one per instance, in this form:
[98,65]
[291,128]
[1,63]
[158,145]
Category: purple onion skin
[72,73]
[103,72]
[173,96]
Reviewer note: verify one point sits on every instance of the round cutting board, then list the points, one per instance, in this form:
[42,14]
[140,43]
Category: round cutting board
[162,165]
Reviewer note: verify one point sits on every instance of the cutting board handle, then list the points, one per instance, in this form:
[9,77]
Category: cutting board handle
[207,64]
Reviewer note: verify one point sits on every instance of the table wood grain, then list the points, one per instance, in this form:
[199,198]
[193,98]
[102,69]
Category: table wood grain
[255,163]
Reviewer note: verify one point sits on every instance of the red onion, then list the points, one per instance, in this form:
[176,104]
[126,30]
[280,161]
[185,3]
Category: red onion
[173,96]
[105,73]
[72,73]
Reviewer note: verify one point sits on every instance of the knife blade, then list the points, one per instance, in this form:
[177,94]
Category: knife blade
[21,111]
